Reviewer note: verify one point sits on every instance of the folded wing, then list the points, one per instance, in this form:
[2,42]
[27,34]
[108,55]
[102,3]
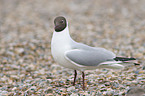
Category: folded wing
[89,57]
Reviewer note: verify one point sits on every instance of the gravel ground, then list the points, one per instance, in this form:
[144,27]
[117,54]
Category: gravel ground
[26,27]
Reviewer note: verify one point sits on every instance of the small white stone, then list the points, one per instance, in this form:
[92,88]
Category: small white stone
[74,94]
[14,88]
[71,88]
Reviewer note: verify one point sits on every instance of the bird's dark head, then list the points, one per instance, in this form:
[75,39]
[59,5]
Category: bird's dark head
[60,23]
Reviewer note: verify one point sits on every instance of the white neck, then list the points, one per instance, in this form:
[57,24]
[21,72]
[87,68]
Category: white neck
[62,37]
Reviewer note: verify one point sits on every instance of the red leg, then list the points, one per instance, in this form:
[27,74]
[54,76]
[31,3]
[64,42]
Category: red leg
[75,75]
[83,75]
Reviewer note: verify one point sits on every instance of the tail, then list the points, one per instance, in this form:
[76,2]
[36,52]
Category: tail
[127,60]
[118,63]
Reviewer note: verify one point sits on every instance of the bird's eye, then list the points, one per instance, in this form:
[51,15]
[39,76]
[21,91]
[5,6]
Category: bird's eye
[61,21]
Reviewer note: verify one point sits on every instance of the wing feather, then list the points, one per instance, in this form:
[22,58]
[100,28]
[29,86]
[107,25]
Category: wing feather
[89,57]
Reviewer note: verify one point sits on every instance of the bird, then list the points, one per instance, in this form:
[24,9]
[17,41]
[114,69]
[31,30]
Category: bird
[78,56]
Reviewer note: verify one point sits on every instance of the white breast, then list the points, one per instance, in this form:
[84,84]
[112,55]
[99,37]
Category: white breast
[61,42]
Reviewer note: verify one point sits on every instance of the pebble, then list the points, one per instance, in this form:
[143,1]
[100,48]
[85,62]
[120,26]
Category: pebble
[135,91]
[71,88]
[107,84]
[49,90]
[32,88]
[20,50]
[143,68]
[139,78]
[74,94]
[3,92]
[103,89]
[14,77]
[55,67]
[141,72]
[15,88]
[49,94]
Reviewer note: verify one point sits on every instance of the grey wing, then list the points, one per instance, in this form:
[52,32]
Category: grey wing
[89,57]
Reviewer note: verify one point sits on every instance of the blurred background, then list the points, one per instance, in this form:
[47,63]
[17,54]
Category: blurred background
[26,27]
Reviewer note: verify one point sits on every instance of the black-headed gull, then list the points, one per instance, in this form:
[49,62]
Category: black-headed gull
[77,56]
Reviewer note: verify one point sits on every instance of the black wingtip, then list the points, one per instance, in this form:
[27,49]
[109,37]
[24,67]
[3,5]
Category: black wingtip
[123,59]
